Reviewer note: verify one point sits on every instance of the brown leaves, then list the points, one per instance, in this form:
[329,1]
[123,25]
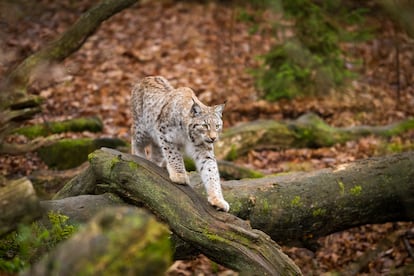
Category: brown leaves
[203,45]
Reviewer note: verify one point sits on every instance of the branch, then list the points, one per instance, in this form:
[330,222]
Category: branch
[93,124]
[69,42]
[17,149]
[309,130]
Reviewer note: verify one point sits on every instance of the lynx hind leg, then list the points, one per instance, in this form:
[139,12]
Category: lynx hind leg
[156,156]
[175,164]
[137,144]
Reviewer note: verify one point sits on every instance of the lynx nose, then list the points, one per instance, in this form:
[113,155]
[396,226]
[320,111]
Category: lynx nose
[213,136]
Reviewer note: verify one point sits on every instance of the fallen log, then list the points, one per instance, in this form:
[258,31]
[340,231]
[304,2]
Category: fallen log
[80,209]
[92,124]
[309,131]
[220,236]
[69,153]
[297,208]
[118,241]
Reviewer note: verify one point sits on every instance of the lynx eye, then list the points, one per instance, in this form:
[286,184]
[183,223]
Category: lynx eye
[218,126]
[206,126]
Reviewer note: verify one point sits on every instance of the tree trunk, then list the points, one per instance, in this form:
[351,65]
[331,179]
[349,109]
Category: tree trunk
[18,204]
[309,130]
[118,241]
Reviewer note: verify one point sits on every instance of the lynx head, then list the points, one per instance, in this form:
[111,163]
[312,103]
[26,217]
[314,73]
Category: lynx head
[205,123]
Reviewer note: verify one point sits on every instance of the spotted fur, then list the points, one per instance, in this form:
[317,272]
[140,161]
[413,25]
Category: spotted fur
[168,121]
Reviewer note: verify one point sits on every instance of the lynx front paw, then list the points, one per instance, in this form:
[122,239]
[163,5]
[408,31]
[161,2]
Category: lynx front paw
[179,178]
[220,204]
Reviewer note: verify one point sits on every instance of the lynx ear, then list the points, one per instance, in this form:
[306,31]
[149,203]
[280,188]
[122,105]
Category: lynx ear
[195,110]
[219,109]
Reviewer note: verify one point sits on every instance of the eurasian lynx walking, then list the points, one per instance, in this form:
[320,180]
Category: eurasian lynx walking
[167,121]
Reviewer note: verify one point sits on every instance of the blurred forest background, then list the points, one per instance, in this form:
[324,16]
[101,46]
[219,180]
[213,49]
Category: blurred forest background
[349,62]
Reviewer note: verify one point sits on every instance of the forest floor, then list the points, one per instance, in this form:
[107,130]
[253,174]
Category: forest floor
[205,46]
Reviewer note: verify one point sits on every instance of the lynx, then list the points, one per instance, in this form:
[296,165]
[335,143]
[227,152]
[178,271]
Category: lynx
[168,121]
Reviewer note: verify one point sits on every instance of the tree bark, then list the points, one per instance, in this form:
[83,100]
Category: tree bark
[309,130]
[118,241]
[18,204]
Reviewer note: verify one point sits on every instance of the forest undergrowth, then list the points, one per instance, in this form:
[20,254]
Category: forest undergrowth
[205,45]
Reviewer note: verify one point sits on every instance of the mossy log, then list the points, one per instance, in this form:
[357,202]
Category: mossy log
[18,204]
[297,208]
[80,209]
[309,130]
[92,124]
[118,241]
[222,237]
[69,153]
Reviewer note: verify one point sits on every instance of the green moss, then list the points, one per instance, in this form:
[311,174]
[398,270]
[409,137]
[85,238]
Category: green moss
[296,201]
[266,206]
[318,212]
[132,165]
[356,190]
[92,124]
[24,246]
[143,243]
[70,153]
[189,164]
[232,155]
[341,187]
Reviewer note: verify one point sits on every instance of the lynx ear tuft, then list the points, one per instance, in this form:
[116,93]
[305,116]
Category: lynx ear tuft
[195,109]
[219,109]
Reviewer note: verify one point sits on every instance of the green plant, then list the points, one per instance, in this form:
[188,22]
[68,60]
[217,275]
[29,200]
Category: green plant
[311,61]
[24,246]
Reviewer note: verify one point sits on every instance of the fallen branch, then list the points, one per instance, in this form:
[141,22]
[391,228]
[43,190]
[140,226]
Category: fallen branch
[92,124]
[308,130]
[220,236]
